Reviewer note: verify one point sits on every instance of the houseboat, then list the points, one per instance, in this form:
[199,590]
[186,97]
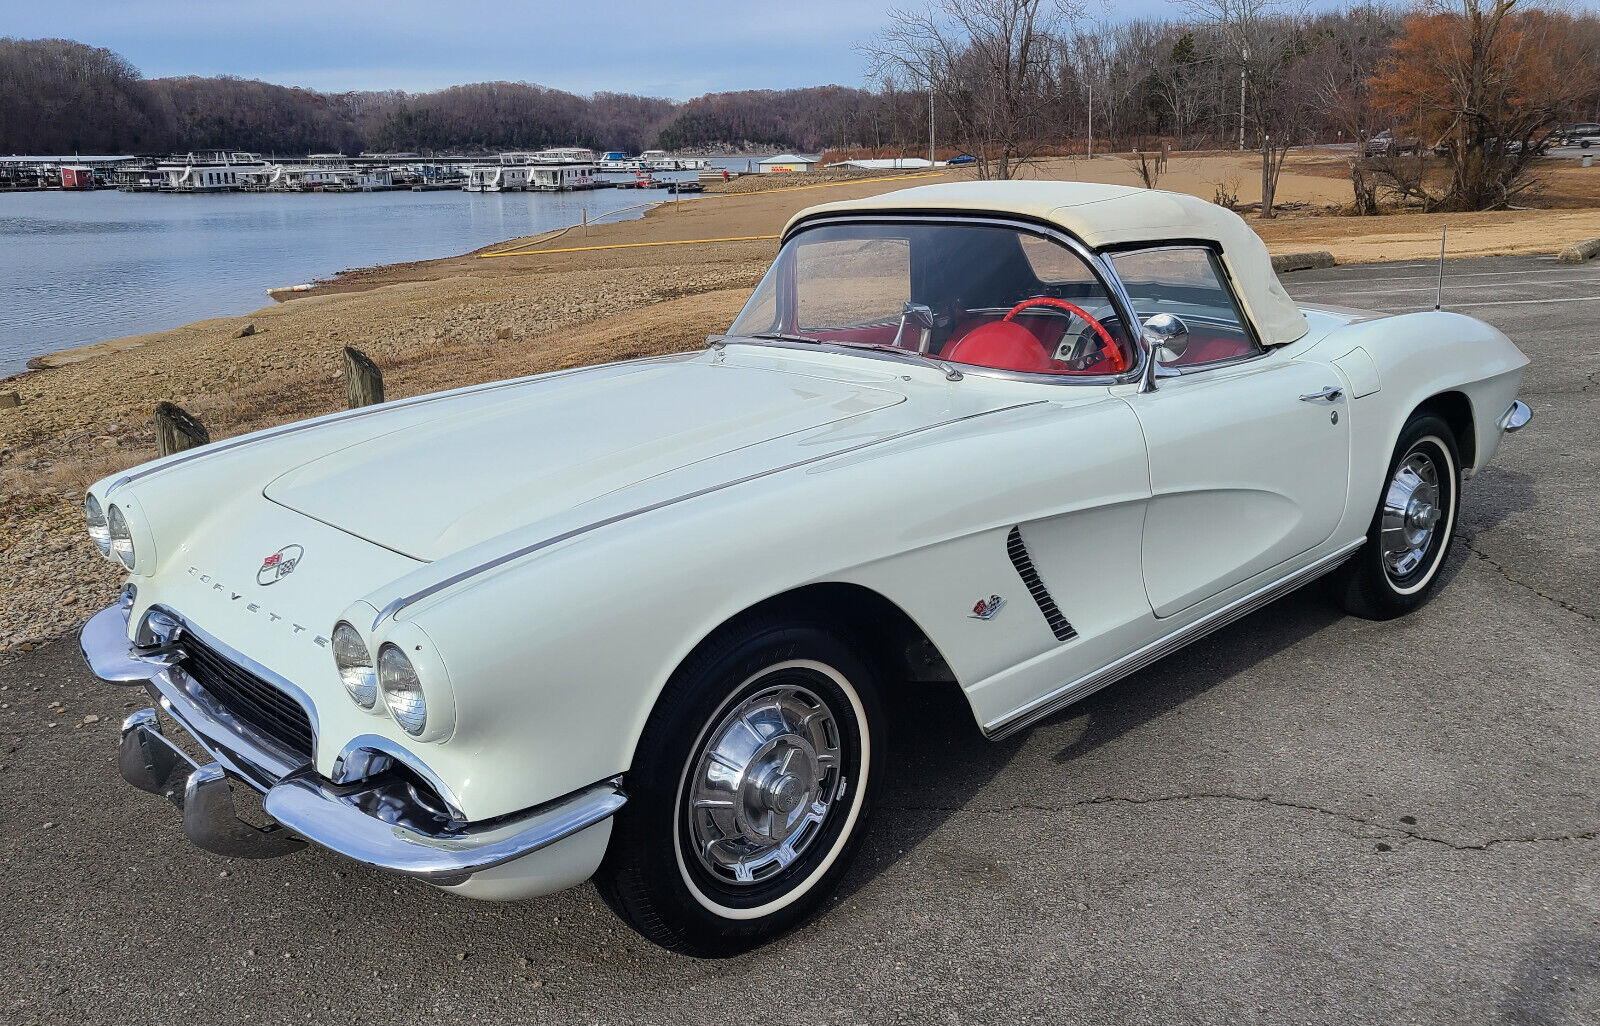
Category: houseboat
[213,172]
[137,178]
[300,178]
[561,177]
[661,160]
[498,178]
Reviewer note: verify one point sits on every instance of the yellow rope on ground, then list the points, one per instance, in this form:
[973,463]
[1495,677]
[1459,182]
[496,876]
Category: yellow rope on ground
[692,242]
[629,245]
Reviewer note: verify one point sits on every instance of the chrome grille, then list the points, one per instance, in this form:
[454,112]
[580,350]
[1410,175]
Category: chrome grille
[258,703]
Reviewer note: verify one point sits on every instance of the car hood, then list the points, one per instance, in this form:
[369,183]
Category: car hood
[482,464]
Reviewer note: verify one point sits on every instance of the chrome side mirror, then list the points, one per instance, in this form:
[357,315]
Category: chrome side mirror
[1168,337]
[919,316]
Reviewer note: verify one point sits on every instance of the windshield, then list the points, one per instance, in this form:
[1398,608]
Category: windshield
[981,295]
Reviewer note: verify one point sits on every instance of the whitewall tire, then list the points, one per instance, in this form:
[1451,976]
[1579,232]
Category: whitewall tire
[749,790]
[1411,530]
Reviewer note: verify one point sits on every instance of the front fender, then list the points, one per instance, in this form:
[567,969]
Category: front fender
[1417,357]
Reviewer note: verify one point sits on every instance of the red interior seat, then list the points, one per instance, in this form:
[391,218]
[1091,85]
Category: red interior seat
[1209,348]
[1003,345]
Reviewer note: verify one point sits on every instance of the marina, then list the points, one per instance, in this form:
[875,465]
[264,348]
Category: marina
[558,169]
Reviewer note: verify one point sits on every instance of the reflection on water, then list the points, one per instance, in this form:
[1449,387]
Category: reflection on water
[77,268]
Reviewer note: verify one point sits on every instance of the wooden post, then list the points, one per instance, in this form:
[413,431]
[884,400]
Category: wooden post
[585,222]
[362,378]
[177,430]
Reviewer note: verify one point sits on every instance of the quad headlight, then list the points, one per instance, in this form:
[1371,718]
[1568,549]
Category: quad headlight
[120,535]
[355,665]
[402,690]
[99,529]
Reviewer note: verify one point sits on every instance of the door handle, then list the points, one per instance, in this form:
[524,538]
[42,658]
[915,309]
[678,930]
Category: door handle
[1331,394]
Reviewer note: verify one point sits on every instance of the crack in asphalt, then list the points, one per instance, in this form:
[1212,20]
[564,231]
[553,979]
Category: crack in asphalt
[1260,799]
[1589,381]
[1504,571]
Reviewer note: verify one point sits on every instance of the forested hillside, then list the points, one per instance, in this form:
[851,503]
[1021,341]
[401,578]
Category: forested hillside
[1510,72]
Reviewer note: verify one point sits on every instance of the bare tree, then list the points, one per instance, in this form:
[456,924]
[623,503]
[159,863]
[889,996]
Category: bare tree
[988,62]
[1347,50]
[1266,39]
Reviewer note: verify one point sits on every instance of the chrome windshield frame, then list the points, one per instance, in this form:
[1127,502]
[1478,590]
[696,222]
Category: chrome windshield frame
[1098,266]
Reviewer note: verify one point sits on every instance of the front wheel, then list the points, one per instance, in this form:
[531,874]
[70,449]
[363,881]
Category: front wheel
[1410,535]
[749,790]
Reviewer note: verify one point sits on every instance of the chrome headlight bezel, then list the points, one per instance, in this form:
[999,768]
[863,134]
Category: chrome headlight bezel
[120,533]
[94,514]
[353,659]
[402,689]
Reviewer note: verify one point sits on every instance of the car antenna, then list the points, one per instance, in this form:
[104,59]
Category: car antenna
[1438,299]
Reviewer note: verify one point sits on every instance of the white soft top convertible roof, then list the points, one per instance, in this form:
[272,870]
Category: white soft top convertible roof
[1111,215]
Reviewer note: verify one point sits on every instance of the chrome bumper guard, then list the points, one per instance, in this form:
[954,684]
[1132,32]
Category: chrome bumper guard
[372,821]
[151,763]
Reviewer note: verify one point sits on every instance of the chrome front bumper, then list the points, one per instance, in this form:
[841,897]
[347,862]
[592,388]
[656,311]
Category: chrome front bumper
[377,820]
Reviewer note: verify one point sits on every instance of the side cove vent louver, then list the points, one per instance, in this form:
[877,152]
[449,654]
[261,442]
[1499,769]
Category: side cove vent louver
[1041,595]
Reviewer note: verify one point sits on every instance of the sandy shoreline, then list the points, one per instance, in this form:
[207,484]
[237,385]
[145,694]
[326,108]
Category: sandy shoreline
[438,324]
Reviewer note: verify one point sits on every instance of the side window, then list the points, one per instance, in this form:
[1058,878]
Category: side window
[1188,283]
[1053,263]
[846,282]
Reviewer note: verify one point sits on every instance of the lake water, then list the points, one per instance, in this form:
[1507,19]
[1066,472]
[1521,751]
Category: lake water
[77,268]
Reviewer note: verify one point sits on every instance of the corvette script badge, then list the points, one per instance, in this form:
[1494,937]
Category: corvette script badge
[279,565]
[984,609]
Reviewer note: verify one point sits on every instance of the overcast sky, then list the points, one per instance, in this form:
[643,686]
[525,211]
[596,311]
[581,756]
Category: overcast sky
[675,48]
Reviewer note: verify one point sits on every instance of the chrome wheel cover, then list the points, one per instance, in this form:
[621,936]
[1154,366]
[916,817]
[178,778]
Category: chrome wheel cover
[763,784]
[1411,514]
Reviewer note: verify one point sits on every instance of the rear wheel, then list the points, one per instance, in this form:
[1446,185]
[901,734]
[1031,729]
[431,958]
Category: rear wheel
[1410,535]
[749,790]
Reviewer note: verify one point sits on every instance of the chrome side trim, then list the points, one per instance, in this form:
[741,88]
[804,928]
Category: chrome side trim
[1515,418]
[1137,660]
[911,359]
[349,415]
[394,607]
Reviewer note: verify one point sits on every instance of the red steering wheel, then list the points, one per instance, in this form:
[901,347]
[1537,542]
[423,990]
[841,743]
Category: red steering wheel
[1111,354]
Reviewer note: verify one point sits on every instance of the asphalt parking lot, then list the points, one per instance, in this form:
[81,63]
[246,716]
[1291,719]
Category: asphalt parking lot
[1305,818]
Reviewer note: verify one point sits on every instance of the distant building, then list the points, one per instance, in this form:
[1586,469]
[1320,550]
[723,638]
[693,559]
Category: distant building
[888,164]
[785,162]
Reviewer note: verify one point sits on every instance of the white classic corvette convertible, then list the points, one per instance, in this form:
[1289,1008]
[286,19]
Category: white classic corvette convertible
[634,621]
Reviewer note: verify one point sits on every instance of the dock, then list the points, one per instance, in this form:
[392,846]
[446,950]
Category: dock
[564,169]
